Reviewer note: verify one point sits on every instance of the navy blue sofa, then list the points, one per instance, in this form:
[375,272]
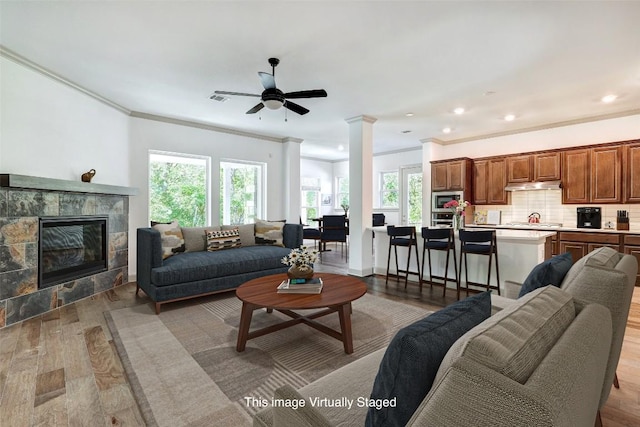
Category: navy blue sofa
[192,274]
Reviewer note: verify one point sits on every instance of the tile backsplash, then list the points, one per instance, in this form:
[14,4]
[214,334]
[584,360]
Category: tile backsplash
[548,203]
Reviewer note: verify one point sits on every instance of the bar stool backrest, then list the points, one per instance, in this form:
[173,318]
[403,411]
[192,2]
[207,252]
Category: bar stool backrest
[401,235]
[476,239]
[334,228]
[437,233]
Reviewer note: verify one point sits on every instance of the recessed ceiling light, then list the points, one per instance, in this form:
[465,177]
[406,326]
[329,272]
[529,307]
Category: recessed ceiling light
[509,117]
[459,110]
[446,130]
[609,98]
[409,114]
[340,147]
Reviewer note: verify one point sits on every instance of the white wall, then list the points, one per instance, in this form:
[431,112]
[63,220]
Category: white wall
[156,135]
[310,168]
[51,130]
[602,131]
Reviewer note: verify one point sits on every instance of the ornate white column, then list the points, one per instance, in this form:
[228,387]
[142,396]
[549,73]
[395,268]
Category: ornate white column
[360,195]
[291,165]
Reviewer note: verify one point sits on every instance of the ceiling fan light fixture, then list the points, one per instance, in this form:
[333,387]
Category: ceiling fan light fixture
[272,104]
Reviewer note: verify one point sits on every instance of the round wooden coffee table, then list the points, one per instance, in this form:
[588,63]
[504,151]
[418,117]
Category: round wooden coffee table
[337,293]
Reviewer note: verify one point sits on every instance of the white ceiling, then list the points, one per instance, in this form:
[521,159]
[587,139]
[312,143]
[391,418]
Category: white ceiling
[546,62]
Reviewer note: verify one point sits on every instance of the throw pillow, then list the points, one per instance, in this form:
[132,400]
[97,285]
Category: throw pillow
[269,233]
[247,233]
[223,239]
[171,238]
[549,272]
[195,238]
[413,357]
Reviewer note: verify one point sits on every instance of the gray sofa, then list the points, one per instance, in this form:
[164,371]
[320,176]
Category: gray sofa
[192,274]
[545,359]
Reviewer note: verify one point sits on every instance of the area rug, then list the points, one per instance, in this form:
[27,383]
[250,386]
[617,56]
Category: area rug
[184,369]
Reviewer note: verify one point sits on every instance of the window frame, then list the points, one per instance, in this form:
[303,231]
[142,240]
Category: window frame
[260,190]
[382,191]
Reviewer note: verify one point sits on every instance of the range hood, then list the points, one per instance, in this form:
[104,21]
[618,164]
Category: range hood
[544,185]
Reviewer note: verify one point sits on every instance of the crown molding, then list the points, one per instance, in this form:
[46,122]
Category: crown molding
[21,60]
[361,118]
[205,126]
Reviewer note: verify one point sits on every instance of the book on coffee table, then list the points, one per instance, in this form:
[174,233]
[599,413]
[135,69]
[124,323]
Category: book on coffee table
[300,286]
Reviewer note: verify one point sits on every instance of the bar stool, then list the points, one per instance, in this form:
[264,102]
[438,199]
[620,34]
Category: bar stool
[479,243]
[404,237]
[440,239]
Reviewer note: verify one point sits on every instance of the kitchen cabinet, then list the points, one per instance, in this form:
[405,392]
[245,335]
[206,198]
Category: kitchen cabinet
[606,175]
[632,247]
[451,175]
[489,180]
[575,175]
[480,196]
[581,243]
[520,168]
[631,173]
[546,166]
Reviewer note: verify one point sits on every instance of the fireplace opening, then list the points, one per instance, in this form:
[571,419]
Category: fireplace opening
[71,247]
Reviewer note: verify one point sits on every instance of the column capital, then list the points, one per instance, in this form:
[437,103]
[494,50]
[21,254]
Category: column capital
[292,139]
[362,118]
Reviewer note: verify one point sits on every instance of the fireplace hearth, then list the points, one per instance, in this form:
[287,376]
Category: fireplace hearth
[71,248]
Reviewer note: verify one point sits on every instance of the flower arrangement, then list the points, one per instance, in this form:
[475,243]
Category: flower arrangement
[301,257]
[457,207]
[458,211]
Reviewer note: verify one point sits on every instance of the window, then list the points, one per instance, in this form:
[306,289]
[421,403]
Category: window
[343,191]
[178,188]
[310,199]
[389,189]
[241,192]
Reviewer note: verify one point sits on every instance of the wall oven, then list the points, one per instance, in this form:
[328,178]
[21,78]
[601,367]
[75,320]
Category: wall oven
[439,198]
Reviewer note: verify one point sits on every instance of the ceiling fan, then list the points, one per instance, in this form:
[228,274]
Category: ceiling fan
[272,97]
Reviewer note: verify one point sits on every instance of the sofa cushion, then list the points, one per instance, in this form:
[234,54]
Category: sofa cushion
[412,358]
[549,272]
[223,239]
[269,233]
[195,238]
[514,341]
[194,266]
[247,233]
[170,238]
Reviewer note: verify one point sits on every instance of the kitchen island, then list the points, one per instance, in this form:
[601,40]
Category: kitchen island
[518,252]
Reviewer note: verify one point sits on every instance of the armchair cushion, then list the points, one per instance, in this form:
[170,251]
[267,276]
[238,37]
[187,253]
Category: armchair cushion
[549,272]
[413,357]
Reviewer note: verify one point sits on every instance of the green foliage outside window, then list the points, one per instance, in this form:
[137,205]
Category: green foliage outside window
[415,198]
[238,187]
[389,189]
[343,191]
[178,191]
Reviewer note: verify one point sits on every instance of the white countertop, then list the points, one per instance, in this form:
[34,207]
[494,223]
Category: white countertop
[504,235]
[540,228]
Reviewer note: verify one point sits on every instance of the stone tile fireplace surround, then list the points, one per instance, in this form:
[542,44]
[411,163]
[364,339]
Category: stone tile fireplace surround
[23,200]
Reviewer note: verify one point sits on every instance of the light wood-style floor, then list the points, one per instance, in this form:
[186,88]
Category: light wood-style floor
[61,368]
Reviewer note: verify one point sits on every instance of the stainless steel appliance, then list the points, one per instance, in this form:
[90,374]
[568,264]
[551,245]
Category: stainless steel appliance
[589,217]
[439,198]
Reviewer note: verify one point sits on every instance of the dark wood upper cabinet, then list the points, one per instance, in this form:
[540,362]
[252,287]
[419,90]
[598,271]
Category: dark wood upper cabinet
[631,173]
[497,180]
[519,168]
[606,174]
[575,175]
[480,196]
[451,175]
[546,166]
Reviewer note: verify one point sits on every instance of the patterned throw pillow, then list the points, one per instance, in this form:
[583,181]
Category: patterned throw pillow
[223,239]
[171,238]
[269,233]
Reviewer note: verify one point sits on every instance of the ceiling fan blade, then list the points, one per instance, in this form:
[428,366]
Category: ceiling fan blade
[295,108]
[314,93]
[224,92]
[255,109]
[268,81]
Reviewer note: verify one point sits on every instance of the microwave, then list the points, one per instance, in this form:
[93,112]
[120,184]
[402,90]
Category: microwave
[439,198]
